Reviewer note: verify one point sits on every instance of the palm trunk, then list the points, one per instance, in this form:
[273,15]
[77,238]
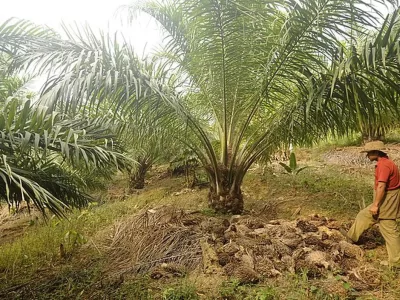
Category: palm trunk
[137,178]
[373,133]
[190,175]
[225,195]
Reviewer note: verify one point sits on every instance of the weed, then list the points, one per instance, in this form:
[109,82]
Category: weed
[371,255]
[319,294]
[300,287]
[354,139]
[74,238]
[268,293]
[137,289]
[292,168]
[186,291]
[208,212]
[67,283]
[232,290]
[393,136]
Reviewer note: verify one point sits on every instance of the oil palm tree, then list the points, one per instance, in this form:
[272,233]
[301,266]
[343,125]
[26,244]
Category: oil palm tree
[254,65]
[365,76]
[44,156]
[146,140]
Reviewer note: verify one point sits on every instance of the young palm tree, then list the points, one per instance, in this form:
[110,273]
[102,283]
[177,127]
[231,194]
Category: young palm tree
[44,156]
[146,140]
[253,65]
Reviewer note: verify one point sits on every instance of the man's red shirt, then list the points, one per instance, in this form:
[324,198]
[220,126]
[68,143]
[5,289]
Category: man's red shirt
[387,171]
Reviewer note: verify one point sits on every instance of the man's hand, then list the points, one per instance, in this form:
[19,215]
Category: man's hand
[379,195]
[374,209]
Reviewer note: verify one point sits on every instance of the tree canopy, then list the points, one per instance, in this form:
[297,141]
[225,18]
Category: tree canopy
[241,76]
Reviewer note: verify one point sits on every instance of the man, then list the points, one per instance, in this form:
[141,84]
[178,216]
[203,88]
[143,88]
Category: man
[385,208]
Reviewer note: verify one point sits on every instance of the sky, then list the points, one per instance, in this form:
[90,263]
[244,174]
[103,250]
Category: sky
[97,13]
[144,34]
[101,14]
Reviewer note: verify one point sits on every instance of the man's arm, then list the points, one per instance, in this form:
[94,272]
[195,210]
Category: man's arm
[379,195]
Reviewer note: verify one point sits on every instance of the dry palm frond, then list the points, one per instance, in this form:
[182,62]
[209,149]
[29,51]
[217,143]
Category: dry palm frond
[366,275]
[152,237]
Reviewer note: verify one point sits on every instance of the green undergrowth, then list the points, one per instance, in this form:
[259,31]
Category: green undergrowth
[353,139]
[55,244]
[87,283]
[393,136]
[289,287]
[40,245]
[329,190]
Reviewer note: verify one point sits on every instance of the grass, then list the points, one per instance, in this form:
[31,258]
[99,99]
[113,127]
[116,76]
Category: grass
[181,291]
[393,136]
[289,287]
[353,139]
[326,190]
[140,288]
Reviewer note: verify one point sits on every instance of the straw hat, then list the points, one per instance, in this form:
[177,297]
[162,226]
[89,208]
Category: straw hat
[372,146]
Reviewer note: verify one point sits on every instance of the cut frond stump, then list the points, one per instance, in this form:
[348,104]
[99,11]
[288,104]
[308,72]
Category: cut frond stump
[350,250]
[210,259]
